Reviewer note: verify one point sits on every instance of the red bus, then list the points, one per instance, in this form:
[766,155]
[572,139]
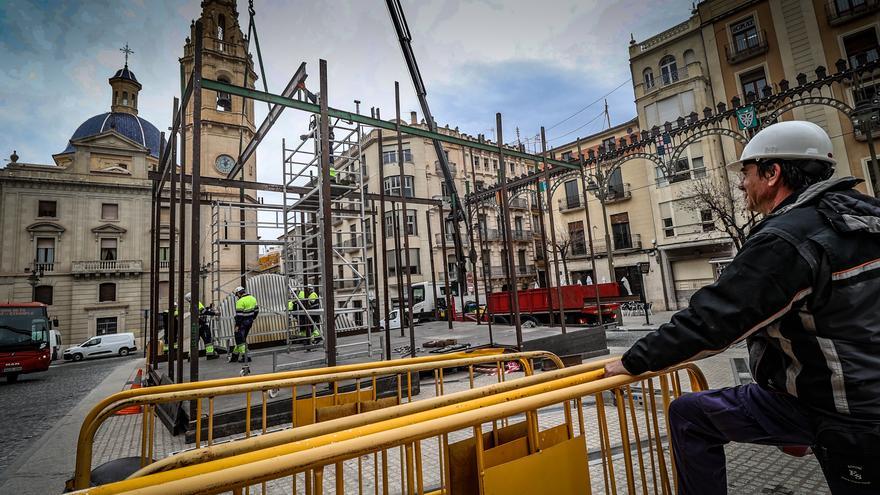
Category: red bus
[24,339]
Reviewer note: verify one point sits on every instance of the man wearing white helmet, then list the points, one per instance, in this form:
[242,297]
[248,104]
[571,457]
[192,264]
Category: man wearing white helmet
[204,327]
[804,292]
[246,311]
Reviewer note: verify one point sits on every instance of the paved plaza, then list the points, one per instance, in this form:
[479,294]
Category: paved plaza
[751,469]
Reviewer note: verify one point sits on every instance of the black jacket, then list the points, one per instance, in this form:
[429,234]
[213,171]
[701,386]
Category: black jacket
[805,293]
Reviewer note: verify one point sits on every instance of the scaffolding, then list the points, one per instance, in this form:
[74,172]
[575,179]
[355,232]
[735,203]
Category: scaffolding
[309,248]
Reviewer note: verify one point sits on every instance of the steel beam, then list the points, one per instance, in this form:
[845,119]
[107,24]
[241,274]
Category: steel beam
[368,121]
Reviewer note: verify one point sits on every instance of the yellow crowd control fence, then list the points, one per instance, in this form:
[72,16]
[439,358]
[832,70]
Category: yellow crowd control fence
[311,396]
[565,431]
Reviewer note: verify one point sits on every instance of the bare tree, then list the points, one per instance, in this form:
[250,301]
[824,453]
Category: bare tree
[728,208]
[564,246]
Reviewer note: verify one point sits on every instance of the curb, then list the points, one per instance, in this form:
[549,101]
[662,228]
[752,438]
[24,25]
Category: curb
[51,457]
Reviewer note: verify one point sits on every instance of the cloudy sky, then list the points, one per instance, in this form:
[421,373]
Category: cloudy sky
[536,62]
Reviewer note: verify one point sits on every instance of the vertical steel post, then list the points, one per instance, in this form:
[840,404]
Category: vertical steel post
[483,262]
[590,232]
[384,242]
[431,257]
[548,282]
[328,299]
[470,215]
[608,247]
[505,216]
[404,216]
[171,320]
[546,180]
[154,272]
[447,283]
[398,263]
[181,244]
[193,362]
[195,207]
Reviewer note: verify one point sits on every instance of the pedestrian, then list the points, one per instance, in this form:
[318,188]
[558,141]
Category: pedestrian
[315,305]
[246,311]
[205,327]
[804,292]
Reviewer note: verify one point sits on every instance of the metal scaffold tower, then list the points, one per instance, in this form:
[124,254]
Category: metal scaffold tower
[310,250]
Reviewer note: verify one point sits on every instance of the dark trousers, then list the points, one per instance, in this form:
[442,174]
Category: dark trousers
[242,329]
[205,333]
[702,423]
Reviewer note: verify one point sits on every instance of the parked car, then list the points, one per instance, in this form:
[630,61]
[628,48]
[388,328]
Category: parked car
[102,345]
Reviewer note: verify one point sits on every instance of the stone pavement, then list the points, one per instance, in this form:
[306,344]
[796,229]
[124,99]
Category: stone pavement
[752,469]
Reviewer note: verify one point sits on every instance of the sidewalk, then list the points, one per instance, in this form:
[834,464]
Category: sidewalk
[48,463]
[752,469]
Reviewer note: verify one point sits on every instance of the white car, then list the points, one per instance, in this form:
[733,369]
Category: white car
[394,317]
[117,344]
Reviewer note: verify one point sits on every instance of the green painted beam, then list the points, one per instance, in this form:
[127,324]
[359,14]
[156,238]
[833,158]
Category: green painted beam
[369,121]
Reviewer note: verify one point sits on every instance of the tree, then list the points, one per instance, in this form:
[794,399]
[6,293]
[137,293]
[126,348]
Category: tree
[728,209]
[564,246]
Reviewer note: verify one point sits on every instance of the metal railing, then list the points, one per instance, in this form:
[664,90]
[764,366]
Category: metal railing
[305,410]
[566,204]
[528,435]
[757,46]
[618,192]
[109,266]
[842,11]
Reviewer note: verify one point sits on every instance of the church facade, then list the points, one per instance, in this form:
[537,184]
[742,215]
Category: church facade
[76,233]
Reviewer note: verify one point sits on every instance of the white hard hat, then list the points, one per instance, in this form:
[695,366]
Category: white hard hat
[188,296]
[238,289]
[791,140]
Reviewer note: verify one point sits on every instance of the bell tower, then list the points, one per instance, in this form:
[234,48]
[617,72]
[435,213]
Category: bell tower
[226,120]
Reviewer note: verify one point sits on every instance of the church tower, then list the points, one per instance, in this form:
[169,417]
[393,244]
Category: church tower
[227,126]
[225,122]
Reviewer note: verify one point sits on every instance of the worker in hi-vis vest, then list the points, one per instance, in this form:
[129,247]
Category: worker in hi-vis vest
[205,327]
[246,311]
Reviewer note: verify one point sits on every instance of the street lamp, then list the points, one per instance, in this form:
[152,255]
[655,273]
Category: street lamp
[34,279]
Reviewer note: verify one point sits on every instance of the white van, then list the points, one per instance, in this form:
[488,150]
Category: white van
[55,343]
[120,344]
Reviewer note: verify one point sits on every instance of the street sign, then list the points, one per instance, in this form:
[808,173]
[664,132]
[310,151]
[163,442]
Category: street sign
[747,117]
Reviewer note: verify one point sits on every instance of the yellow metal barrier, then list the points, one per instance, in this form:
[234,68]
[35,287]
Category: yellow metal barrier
[537,439]
[312,409]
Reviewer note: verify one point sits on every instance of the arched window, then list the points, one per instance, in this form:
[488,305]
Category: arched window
[125,97]
[221,27]
[649,78]
[689,57]
[107,292]
[224,100]
[116,97]
[134,99]
[668,70]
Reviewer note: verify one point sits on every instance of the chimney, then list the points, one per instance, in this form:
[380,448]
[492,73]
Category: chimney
[413,118]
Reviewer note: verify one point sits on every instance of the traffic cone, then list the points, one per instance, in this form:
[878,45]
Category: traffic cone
[136,383]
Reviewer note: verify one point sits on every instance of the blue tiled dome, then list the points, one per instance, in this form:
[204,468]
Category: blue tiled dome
[130,126]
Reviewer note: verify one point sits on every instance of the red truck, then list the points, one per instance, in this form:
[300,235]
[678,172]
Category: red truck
[24,339]
[578,303]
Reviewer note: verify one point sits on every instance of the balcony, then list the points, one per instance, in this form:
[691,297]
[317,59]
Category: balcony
[497,272]
[163,265]
[95,268]
[521,235]
[672,77]
[751,48]
[618,192]
[450,239]
[519,203]
[568,204]
[42,267]
[631,243]
[842,11]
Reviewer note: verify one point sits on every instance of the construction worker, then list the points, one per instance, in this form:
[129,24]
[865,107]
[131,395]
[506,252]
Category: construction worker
[314,304]
[246,311]
[204,327]
[804,293]
[294,321]
[166,335]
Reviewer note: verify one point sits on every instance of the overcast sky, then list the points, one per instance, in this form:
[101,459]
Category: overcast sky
[536,62]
